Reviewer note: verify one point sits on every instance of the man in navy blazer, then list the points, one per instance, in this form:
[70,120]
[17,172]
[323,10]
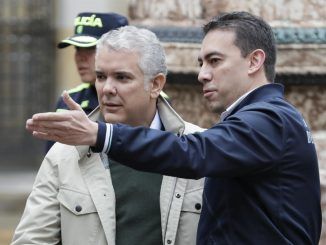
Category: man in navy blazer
[260,161]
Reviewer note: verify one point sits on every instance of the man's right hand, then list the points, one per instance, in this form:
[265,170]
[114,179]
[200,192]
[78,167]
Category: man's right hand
[71,127]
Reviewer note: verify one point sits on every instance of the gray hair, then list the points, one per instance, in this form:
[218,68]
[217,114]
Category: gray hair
[139,40]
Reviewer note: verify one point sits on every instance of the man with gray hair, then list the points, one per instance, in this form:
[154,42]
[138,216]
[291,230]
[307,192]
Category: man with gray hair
[80,192]
[88,28]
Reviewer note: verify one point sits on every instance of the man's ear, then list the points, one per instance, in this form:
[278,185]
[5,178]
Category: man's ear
[157,85]
[256,61]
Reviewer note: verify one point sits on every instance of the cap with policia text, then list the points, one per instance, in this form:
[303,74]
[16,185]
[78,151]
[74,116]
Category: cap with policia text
[89,27]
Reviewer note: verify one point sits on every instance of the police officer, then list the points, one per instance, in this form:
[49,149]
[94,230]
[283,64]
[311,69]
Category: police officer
[88,28]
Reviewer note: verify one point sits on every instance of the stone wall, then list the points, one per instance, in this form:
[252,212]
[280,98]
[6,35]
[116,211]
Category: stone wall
[311,102]
[298,59]
[308,99]
[195,12]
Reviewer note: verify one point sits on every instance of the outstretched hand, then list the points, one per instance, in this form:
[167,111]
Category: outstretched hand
[71,127]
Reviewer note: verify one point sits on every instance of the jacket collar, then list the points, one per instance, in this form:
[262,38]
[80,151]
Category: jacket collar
[262,93]
[169,118]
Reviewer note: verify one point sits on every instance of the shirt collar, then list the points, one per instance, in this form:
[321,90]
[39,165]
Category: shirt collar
[156,123]
[233,105]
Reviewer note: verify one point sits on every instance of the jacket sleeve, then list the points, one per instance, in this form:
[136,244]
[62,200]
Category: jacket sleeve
[40,222]
[246,143]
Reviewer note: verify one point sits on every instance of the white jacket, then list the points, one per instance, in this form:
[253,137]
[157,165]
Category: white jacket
[68,180]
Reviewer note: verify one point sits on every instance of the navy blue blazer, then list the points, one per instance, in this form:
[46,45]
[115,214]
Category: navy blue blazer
[262,183]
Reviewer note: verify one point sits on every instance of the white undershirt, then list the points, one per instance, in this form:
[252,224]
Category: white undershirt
[228,110]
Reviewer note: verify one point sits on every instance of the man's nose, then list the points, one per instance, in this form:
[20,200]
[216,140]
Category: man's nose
[109,87]
[204,75]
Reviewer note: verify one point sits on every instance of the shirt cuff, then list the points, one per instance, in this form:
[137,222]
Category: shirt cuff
[104,136]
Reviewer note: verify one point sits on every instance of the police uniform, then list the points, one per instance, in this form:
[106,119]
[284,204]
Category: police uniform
[84,94]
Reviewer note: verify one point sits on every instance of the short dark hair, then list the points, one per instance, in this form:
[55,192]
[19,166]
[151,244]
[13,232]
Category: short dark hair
[251,32]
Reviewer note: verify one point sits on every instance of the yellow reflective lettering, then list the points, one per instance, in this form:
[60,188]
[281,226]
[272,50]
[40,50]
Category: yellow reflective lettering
[91,20]
[98,22]
[88,21]
[85,21]
[77,21]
